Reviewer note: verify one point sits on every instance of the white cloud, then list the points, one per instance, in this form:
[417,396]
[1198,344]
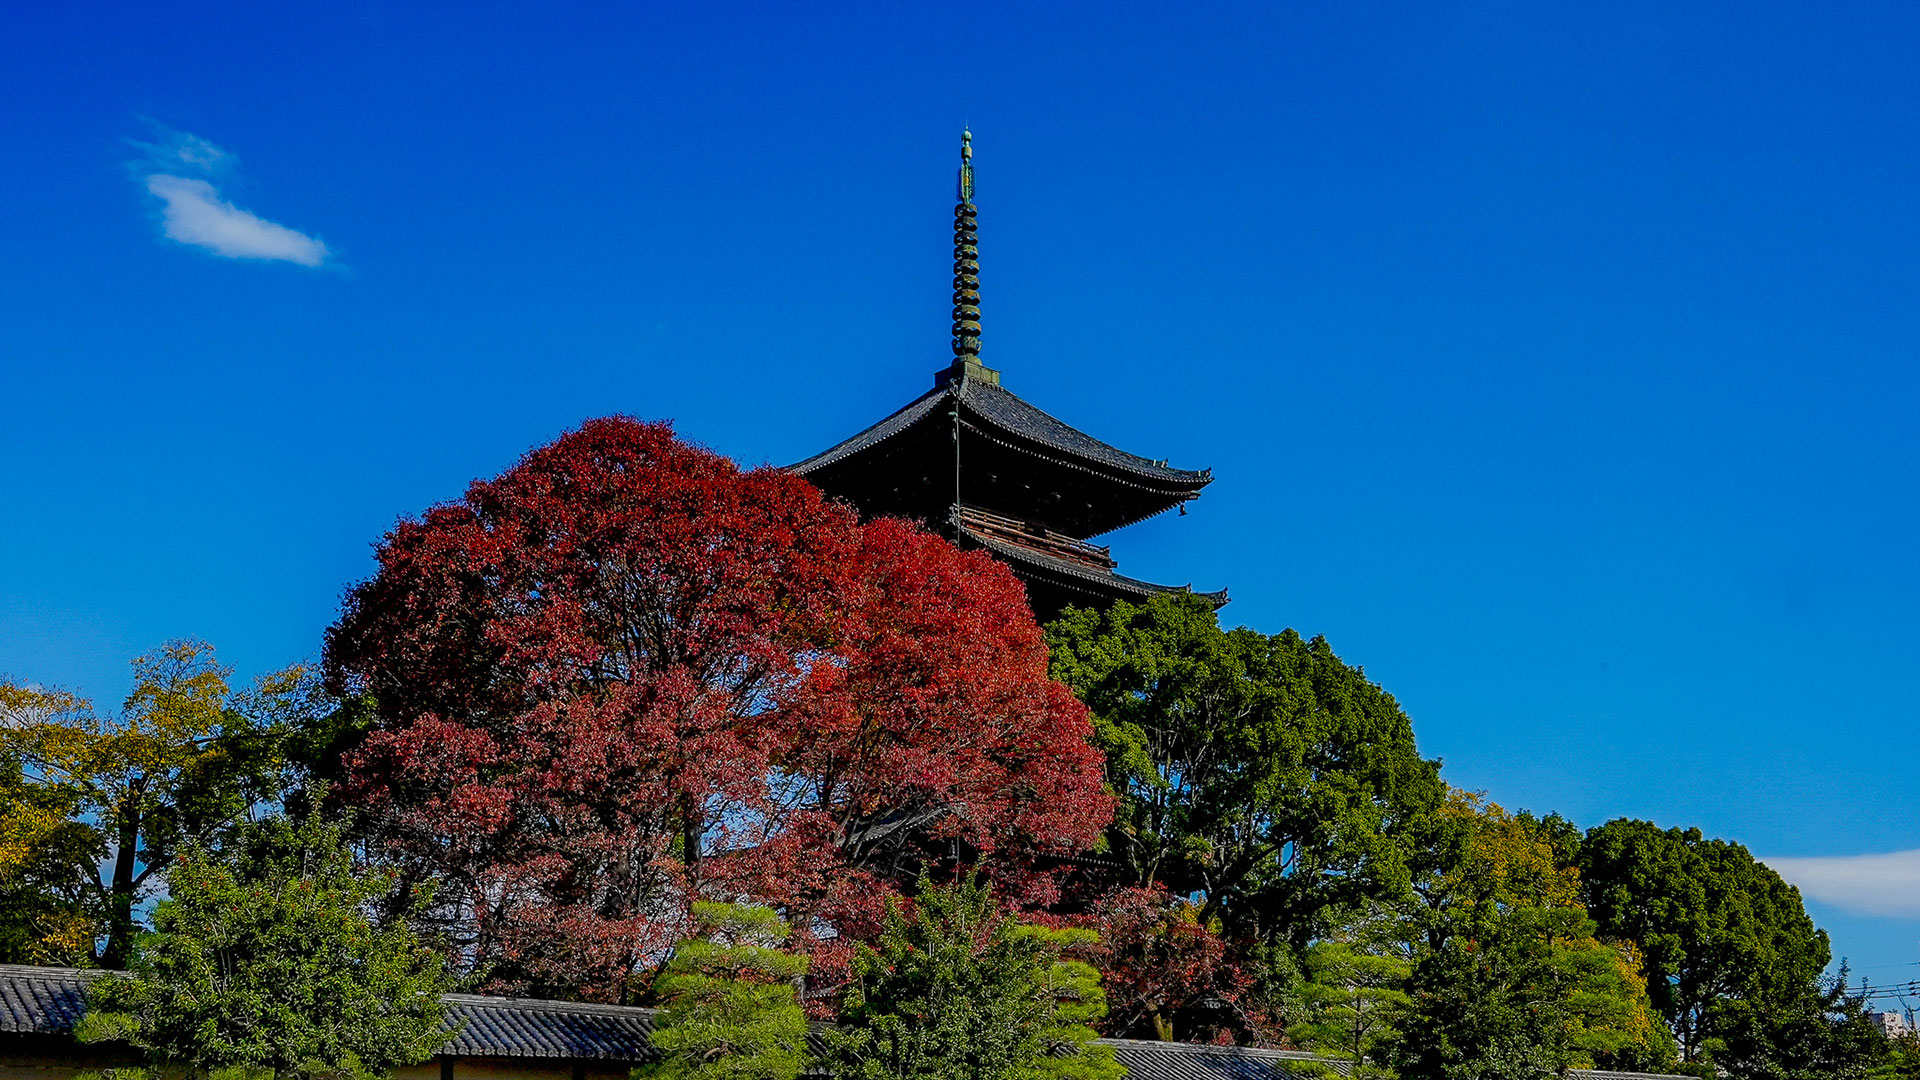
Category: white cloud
[1863,884]
[181,170]
[196,214]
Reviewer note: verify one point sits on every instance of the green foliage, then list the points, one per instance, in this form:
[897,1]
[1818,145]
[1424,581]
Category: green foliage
[1734,964]
[47,915]
[1509,979]
[731,1011]
[1258,772]
[263,961]
[187,761]
[1518,994]
[1822,1034]
[1354,999]
[1902,1060]
[959,991]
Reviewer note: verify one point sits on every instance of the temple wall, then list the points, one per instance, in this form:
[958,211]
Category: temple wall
[55,1057]
[61,1059]
[472,1068]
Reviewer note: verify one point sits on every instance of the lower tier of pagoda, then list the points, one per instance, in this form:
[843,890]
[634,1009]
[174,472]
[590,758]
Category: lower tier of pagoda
[1058,571]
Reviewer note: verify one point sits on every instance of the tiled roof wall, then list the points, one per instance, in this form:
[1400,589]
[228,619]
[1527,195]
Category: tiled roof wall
[514,1027]
[36,1000]
[49,1000]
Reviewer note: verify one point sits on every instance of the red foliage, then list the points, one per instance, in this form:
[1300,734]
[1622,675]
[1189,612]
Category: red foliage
[626,673]
[1167,975]
[935,720]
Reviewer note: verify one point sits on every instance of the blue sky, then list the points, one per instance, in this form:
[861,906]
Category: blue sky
[1557,364]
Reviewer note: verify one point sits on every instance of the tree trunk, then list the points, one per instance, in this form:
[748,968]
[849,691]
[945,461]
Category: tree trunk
[120,898]
[691,831]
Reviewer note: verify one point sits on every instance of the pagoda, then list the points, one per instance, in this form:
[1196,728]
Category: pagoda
[990,471]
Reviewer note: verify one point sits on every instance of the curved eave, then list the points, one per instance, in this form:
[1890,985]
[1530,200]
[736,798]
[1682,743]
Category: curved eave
[1137,517]
[901,420]
[1015,417]
[1095,582]
[1008,419]
[1157,496]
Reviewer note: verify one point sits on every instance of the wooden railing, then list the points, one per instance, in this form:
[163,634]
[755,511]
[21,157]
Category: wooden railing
[1033,537]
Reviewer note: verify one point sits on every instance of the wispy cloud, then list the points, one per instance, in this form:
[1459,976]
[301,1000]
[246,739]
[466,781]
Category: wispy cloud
[1863,884]
[185,172]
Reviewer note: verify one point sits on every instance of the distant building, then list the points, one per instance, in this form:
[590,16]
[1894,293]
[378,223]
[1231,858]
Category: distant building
[1893,1023]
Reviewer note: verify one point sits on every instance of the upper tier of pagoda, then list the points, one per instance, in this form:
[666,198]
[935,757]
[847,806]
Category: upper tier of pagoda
[1013,459]
[976,461]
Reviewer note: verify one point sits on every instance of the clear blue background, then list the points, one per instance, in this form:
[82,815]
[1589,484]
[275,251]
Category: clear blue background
[1556,362]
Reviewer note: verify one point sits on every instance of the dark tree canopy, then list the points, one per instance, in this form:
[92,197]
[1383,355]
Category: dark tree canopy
[625,673]
[1258,772]
[1733,962]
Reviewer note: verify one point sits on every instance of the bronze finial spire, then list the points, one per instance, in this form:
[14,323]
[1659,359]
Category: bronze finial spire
[966,263]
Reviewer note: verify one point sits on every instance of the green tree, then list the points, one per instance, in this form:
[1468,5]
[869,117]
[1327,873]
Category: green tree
[1259,773]
[187,761]
[1734,963]
[1902,1059]
[46,856]
[1823,1033]
[957,990]
[264,962]
[731,1011]
[1510,980]
[1354,998]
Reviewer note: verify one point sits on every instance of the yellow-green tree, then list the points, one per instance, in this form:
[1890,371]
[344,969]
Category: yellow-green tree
[44,852]
[110,799]
[1510,979]
[731,1009]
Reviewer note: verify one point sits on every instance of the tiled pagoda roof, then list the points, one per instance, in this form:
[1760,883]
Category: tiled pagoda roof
[1011,416]
[970,450]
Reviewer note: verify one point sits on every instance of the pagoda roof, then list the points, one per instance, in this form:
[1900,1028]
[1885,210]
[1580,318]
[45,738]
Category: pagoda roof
[1087,577]
[1003,419]
[1014,416]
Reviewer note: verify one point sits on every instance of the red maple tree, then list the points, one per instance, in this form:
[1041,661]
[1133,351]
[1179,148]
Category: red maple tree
[1167,974]
[626,674]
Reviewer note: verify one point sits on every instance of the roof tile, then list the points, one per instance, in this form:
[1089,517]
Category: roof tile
[1011,414]
[36,1000]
